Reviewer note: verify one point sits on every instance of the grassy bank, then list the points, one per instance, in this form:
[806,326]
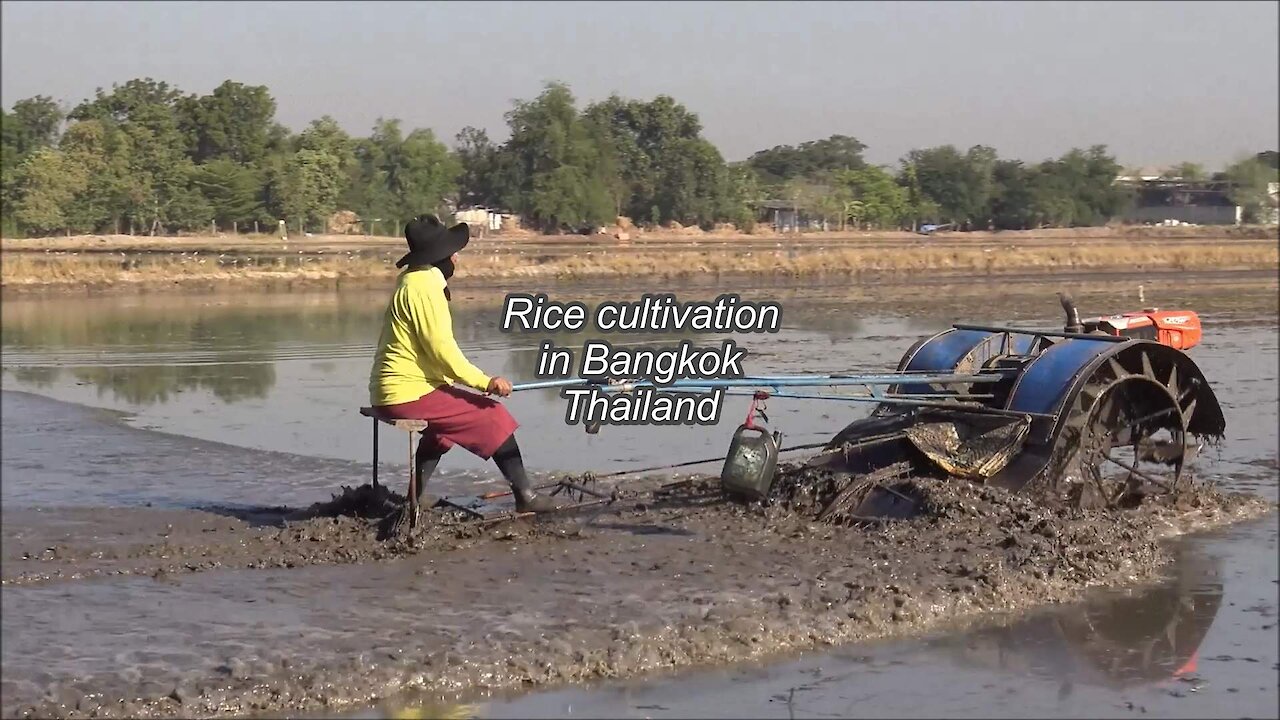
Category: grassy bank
[55,264]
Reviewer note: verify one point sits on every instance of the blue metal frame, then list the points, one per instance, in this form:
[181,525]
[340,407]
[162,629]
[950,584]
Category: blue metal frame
[946,350]
[1046,381]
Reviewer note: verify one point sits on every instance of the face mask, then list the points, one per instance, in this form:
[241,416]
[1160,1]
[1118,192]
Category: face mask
[446,269]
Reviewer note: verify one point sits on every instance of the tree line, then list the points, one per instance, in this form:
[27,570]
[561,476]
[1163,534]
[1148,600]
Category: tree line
[147,157]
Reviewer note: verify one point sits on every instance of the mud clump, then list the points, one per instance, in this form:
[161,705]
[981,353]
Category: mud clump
[366,501]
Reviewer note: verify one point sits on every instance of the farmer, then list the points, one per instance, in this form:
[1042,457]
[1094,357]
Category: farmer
[418,361]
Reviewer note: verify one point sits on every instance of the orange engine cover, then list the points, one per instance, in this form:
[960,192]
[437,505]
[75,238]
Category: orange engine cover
[1179,329]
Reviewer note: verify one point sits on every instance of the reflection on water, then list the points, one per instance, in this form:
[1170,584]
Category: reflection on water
[146,350]
[144,354]
[147,385]
[1120,642]
[1143,647]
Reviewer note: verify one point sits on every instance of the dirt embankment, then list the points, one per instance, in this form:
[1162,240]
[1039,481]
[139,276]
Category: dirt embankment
[129,263]
[656,582]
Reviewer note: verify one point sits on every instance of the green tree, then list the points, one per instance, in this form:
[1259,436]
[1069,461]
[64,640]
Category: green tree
[616,125]
[553,171]
[325,135]
[477,158]
[34,123]
[920,208]
[428,173]
[1013,197]
[566,196]
[121,104]
[959,184]
[235,122]
[1250,181]
[231,191]
[48,183]
[742,195]
[784,162]
[1078,189]
[162,170]
[296,176]
[103,152]
[146,113]
[310,187]
[694,183]
[401,177]
[880,202]
[654,155]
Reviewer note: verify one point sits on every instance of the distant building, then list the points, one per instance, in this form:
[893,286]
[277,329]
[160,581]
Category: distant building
[1157,201]
[785,217]
[484,220]
[1142,175]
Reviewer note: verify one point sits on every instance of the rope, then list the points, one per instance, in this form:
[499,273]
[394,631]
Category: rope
[673,466]
[589,477]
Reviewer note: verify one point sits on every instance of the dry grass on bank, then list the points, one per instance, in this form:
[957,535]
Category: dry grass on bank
[21,270]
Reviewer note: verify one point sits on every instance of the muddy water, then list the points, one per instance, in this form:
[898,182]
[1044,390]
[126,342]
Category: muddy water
[1199,645]
[232,404]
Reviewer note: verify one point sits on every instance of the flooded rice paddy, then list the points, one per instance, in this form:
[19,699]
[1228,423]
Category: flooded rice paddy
[143,435]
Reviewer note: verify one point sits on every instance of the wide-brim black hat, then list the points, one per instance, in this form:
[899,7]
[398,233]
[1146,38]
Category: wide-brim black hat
[430,241]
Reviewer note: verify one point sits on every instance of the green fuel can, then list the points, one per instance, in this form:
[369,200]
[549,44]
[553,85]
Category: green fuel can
[752,460]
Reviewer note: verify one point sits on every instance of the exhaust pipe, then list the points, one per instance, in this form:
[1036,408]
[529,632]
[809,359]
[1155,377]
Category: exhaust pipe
[1073,315]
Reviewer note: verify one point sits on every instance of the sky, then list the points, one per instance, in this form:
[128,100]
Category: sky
[1157,82]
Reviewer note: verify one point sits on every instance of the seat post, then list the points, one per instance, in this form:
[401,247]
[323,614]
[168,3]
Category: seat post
[410,427]
[375,453]
[413,486]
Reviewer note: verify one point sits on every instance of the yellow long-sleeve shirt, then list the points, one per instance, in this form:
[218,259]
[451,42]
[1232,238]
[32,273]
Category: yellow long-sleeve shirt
[417,352]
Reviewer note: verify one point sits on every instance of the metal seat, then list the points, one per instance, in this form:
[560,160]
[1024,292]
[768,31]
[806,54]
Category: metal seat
[409,427]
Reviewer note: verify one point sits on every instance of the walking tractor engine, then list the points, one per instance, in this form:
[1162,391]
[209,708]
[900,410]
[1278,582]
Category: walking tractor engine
[1179,329]
[1098,414]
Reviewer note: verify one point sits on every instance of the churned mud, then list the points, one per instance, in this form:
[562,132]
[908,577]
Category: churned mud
[668,576]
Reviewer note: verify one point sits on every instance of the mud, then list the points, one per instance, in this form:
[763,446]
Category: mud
[733,582]
[1176,649]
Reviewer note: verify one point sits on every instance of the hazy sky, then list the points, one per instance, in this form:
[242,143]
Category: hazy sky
[1158,82]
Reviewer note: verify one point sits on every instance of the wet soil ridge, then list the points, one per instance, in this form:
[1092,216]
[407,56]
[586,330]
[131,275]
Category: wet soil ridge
[740,581]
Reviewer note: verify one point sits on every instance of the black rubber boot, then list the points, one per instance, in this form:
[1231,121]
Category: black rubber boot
[427,461]
[511,464]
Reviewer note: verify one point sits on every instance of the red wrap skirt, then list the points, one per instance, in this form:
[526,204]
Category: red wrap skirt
[457,417]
